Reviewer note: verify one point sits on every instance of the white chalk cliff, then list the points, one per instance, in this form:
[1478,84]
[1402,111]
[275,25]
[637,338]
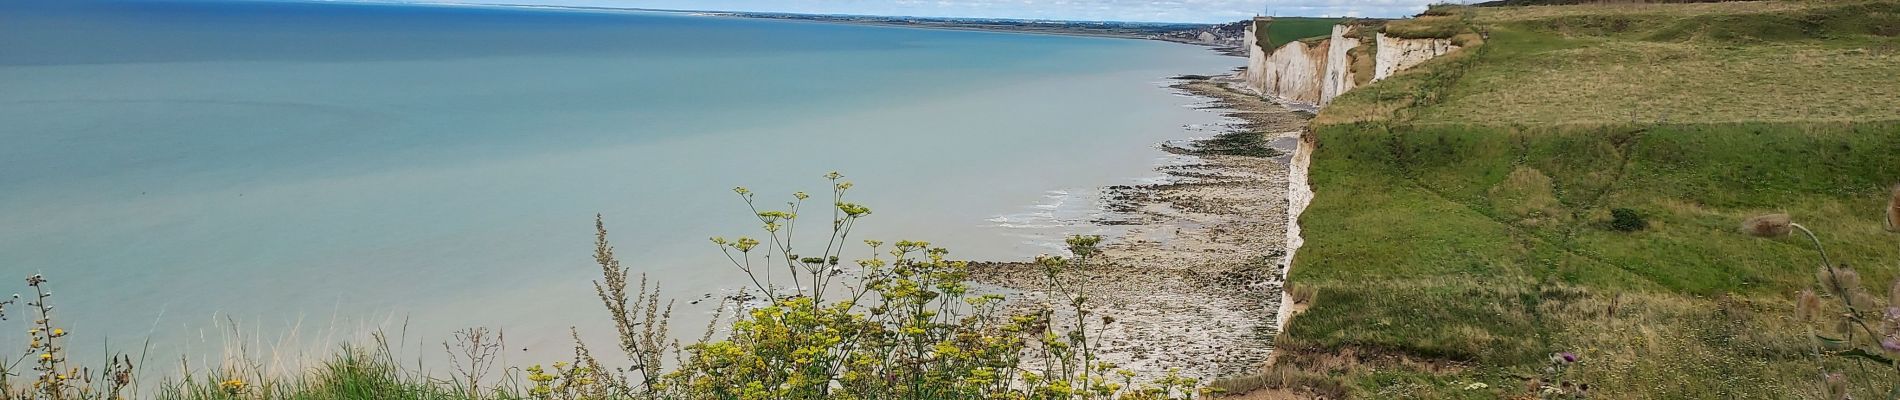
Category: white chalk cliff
[1396,54]
[1296,71]
[1339,77]
[1313,72]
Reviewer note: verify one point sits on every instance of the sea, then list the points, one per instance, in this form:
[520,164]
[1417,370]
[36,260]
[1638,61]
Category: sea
[206,180]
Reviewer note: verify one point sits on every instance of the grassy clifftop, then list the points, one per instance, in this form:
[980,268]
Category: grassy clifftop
[1726,62]
[1285,30]
[1474,216]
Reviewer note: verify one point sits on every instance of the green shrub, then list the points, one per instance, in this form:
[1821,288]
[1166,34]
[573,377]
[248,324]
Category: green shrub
[1627,220]
[909,327]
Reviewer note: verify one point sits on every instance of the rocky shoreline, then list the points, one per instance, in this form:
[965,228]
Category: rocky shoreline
[1195,282]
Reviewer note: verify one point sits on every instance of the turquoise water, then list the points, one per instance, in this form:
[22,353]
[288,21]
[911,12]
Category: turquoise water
[175,167]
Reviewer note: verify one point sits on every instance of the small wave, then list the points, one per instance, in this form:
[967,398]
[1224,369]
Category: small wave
[1056,209]
[1029,220]
[1027,226]
[1063,212]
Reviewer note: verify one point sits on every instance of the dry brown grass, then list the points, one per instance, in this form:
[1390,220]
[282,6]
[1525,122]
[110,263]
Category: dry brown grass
[1363,63]
[1426,26]
[1651,335]
[1630,342]
[1523,13]
[1680,63]
[1615,81]
[1527,196]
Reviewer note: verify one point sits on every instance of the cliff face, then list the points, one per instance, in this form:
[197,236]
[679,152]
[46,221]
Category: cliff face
[1295,71]
[1312,72]
[1339,76]
[1395,54]
[1299,71]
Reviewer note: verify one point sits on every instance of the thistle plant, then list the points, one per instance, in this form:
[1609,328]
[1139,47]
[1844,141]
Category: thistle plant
[1855,333]
[1556,383]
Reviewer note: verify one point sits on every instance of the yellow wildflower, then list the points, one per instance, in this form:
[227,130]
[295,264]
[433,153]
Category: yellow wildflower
[232,385]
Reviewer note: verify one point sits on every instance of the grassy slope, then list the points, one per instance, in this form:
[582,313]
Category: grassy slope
[1459,231]
[352,374]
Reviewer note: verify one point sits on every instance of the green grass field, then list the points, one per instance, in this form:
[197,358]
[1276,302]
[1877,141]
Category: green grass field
[1461,230]
[1285,30]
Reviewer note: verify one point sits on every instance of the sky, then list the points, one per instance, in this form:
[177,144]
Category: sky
[1208,11]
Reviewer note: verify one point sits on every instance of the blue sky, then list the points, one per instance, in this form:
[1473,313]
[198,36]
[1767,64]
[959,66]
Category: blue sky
[1117,10]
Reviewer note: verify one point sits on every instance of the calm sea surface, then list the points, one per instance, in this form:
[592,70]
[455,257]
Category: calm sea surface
[308,171]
